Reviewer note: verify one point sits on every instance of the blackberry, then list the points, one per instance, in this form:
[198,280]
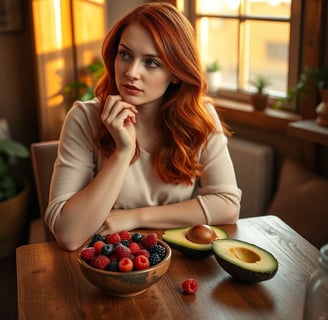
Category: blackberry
[154,258]
[107,249]
[136,237]
[125,242]
[112,266]
[96,237]
[159,249]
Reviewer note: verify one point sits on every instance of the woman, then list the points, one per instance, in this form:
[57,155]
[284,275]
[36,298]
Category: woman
[148,151]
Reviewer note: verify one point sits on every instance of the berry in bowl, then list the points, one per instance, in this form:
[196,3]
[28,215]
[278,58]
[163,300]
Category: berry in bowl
[124,264]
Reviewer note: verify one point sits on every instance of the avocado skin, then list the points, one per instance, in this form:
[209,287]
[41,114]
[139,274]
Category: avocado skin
[244,275]
[194,253]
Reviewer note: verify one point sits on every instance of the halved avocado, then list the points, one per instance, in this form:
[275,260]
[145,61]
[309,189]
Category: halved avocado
[177,239]
[244,261]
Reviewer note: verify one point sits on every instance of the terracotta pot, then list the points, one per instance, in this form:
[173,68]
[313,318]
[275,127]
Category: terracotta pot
[259,101]
[322,108]
[14,217]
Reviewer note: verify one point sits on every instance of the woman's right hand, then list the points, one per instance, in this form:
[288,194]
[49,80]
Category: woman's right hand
[119,118]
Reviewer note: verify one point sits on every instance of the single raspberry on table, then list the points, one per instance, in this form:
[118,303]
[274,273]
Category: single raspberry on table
[98,245]
[141,262]
[122,251]
[149,240]
[190,286]
[125,265]
[88,253]
[101,262]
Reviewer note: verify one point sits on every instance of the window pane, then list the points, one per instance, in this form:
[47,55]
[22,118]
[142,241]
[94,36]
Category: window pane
[268,8]
[218,40]
[266,53]
[228,7]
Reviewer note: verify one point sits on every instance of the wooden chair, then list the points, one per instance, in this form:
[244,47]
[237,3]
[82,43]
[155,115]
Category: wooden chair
[43,155]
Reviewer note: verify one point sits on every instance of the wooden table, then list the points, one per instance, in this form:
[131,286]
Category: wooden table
[51,285]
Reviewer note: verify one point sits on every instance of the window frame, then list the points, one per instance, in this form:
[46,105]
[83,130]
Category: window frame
[294,46]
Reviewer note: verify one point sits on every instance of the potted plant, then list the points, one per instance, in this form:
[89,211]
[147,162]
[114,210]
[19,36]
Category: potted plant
[310,79]
[83,89]
[14,191]
[213,76]
[259,99]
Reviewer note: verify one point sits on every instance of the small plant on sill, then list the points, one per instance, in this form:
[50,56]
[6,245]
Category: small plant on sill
[310,78]
[260,82]
[213,67]
[259,99]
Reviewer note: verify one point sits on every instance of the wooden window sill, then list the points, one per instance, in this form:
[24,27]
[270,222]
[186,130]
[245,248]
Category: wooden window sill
[309,130]
[243,113]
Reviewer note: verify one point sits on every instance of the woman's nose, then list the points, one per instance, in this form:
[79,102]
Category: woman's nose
[133,70]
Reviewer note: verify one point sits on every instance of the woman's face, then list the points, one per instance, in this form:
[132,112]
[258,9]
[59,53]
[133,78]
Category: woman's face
[140,74]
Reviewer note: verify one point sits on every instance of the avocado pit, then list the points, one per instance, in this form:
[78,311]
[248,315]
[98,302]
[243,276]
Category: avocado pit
[201,233]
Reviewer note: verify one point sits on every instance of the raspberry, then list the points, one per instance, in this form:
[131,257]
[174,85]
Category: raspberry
[149,240]
[92,261]
[141,262]
[107,249]
[101,262]
[88,253]
[142,252]
[125,235]
[159,249]
[190,286]
[122,251]
[125,265]
[134,247]
[136,237]
[154,259]
[113,238]
[98,246]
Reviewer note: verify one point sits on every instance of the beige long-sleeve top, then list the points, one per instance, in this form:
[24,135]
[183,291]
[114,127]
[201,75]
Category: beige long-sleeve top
[79,160]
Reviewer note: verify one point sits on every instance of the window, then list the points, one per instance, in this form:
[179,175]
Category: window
[247,38]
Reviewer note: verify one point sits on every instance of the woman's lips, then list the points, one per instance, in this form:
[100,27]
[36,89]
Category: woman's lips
[131,89]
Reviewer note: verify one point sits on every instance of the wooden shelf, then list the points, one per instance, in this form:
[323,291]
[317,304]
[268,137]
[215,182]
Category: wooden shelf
[309,130]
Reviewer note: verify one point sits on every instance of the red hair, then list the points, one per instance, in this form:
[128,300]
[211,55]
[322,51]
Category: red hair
[184,121]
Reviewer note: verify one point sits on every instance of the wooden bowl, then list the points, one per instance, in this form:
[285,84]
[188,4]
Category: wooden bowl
[126,284]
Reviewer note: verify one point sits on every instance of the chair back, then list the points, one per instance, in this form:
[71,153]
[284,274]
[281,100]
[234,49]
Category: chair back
[43,156]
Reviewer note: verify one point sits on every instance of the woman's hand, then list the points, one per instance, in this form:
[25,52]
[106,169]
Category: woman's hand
[119,219]
[119,118]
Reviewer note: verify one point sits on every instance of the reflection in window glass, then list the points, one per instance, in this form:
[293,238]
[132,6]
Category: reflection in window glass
[267,50]
[248,38]
[216,43]
[269,8]
[217,7]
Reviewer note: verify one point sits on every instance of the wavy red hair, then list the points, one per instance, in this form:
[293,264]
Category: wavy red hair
[184,121]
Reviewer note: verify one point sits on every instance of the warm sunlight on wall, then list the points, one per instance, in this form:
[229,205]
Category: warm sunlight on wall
[68,34]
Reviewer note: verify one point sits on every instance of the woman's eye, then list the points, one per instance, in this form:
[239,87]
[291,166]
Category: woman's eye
[152,63]
[124,55]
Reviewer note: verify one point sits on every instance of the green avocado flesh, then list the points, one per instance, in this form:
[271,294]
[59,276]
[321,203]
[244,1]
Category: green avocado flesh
[176,238]
[244,261]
